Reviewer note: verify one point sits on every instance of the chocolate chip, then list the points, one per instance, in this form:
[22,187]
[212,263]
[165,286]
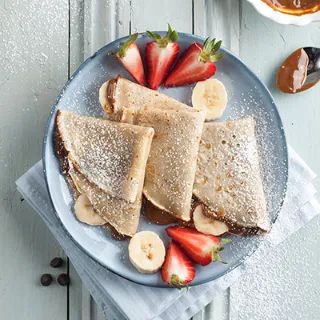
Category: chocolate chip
[57,262]
[46,279]
[63,279]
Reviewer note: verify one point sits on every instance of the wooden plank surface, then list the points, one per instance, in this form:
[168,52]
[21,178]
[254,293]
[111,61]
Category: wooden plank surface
[39,53]
[264,46]
[33,68]
[154,15]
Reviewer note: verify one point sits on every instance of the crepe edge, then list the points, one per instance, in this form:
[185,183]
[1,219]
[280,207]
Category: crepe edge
[77,192]
[129,234]
[78,167]
[159,206]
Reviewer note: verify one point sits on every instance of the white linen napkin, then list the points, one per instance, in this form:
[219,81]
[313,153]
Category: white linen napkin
[119,298]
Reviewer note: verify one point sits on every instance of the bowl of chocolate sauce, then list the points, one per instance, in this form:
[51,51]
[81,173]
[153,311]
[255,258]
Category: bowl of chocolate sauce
[296,12]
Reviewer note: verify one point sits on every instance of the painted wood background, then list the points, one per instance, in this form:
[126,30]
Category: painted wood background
[42,42]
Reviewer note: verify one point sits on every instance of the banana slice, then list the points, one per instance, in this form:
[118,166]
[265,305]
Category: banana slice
[207,225]
[103,95]
[210,95]
[85,212]
[106,96]
[146,252]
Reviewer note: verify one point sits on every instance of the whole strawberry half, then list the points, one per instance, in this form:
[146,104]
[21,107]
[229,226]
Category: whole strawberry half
[196,64]
[160,55]
[201,248]
[129,56]
[177,269]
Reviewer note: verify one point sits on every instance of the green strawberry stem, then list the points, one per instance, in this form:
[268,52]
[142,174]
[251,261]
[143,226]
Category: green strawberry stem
[122,52]
[210,47]
[175,281]
[219,248]
[171,36]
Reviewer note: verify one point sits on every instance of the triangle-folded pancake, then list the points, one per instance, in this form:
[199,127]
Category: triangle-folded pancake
[120,214]
[119,93]
[228,179]
[172,160]
[110,155]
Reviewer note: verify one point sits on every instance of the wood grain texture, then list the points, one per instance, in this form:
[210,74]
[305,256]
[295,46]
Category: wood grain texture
[218,19]
[104,21]
[154,15]
[33,68]
[77,34]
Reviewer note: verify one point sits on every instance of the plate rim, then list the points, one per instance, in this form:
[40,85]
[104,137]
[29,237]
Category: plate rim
[47,137]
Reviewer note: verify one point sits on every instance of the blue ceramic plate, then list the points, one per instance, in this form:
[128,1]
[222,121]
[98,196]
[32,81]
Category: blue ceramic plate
[248,96]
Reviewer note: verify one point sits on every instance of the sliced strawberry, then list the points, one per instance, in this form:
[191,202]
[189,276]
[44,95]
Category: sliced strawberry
[177,269]
[160,56]
[201,248]
[129,56]
[196,64]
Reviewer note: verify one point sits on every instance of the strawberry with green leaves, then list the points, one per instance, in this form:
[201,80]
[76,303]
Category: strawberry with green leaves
[201,248]
[129,56]
[160,55]
[177,269]
[196,64]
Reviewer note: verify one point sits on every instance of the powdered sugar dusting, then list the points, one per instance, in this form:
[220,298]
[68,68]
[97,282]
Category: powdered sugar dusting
[109,154]
[172,160]
[228,178]
[247,98]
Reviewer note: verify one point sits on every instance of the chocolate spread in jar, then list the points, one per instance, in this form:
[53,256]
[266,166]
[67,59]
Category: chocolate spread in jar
[294,7]
[157,216]
[293,72]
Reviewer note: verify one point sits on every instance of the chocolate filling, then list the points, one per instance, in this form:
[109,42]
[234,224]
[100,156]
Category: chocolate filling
[294,7]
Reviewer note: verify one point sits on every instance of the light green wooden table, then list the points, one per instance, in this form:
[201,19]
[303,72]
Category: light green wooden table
[41,44]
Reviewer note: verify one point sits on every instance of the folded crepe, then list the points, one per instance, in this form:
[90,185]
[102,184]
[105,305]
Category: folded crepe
[119,93]
[111,155]
[171,165]
[228,179]
[117,212]
[172,160]
[120,214]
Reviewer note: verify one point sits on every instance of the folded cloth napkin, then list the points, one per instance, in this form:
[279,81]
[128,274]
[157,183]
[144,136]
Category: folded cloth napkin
[119,298]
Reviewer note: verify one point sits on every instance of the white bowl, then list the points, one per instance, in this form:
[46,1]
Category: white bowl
[283,18]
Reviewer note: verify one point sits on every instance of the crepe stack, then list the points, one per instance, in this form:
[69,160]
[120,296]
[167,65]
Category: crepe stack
[171,164]
[228,179]
[150,143]
[107,162]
